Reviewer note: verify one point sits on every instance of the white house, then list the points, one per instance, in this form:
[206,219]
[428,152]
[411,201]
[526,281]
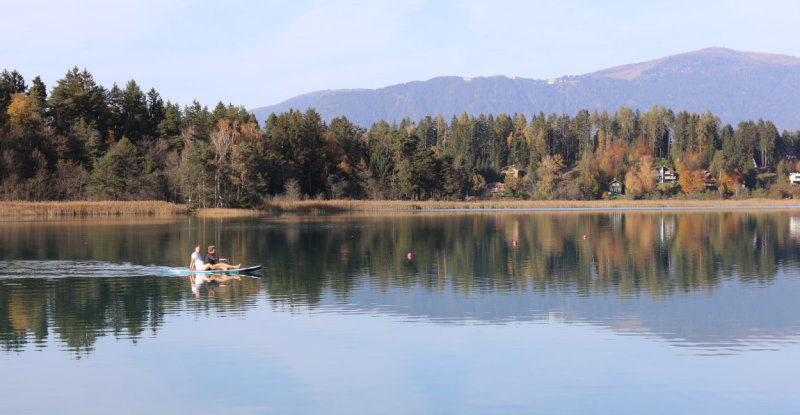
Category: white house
[518,173]
[794,178]
[665,175]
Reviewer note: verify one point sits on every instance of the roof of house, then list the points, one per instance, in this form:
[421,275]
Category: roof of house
[512,169]
[708,178]
[665,168]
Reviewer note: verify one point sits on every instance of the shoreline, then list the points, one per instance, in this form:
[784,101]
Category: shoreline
[16,210]
[334,206]
[21,210]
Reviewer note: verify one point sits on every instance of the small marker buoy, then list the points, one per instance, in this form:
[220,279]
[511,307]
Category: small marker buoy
[514,243]
[585,237]
[410,256]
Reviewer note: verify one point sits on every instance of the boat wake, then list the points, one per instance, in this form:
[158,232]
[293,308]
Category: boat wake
[64,269]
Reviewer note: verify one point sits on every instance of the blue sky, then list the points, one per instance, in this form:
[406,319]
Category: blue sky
[257,53]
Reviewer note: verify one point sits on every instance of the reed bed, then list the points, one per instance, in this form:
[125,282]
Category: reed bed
[62,209]
[331,206]
[228,213]
[14,210]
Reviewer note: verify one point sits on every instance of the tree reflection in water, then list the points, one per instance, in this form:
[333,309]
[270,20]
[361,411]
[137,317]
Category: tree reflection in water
[513,260]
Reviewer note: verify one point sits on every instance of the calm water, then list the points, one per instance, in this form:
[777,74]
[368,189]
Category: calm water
[495,312]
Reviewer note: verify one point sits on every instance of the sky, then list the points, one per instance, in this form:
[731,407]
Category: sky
[258,53]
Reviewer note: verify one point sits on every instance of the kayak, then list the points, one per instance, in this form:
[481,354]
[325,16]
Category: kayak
[237,271]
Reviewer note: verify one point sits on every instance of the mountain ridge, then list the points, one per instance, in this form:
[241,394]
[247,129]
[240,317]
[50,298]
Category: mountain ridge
[734,85]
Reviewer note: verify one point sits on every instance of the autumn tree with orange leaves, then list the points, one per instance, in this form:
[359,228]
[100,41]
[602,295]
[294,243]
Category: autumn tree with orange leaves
[642,180]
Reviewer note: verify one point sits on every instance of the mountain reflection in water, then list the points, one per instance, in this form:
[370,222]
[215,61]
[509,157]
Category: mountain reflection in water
[714,282]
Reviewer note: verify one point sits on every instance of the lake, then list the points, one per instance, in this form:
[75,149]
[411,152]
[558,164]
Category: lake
[621,312]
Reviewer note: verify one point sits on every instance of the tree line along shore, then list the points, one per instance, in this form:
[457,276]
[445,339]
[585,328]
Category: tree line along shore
[84,142]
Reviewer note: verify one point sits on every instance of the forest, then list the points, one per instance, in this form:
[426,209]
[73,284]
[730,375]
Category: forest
[82,141]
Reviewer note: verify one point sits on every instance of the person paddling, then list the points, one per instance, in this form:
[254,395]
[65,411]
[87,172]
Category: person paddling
[212,258]
[196,263]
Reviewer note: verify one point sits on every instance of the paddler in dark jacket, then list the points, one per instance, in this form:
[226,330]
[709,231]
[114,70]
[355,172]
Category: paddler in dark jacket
[213,259]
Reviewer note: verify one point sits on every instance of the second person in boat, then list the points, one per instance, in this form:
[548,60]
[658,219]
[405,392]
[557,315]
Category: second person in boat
[213,259]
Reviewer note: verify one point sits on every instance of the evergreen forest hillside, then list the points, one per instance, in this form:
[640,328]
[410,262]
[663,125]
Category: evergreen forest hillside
[82,141]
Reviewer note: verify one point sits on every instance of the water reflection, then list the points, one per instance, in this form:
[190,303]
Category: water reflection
[627,254]
[80,310]
[211,283]
[717,282]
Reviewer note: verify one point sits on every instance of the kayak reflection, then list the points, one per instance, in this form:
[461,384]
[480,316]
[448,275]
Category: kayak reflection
[210,281]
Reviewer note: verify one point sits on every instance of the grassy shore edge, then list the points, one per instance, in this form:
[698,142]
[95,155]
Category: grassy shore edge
[12,210]
[378,206]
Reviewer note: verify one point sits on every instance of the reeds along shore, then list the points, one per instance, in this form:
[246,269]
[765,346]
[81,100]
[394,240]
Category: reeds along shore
[115,208]
[11,210]
[395,205]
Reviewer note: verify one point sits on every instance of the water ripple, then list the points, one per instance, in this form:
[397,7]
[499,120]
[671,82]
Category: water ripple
[63,269]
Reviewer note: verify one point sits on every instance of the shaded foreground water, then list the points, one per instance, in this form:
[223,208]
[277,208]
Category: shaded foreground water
[498,312]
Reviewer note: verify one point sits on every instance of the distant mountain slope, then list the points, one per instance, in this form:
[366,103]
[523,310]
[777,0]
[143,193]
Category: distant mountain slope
[734,85]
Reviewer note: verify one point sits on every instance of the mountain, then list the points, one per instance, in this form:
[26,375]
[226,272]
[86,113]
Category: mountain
[734,85]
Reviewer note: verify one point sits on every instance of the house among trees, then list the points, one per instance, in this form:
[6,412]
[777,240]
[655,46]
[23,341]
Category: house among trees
[709,181]
[665,175]
[615,188]
[496,187]
[518,173]
[794,178]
